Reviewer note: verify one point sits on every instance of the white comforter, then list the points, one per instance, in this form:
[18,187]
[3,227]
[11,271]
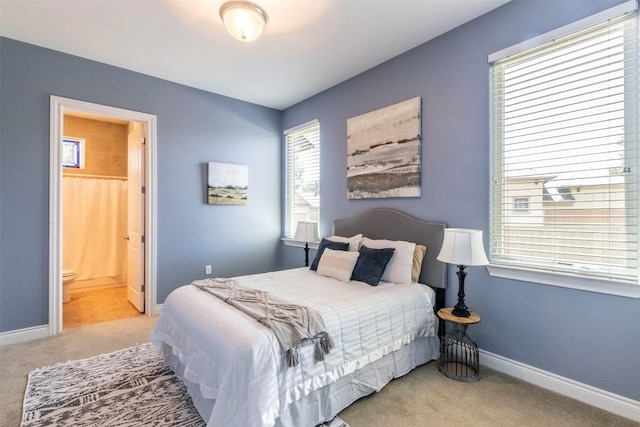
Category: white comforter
[238,361]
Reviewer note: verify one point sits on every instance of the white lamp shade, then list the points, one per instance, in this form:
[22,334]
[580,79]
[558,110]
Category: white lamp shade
[462,246]
[244,20]
[306,231]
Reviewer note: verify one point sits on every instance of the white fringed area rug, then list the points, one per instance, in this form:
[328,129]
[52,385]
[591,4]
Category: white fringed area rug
[127,388]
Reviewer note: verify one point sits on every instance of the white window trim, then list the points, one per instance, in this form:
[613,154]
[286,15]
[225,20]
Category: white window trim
[290,242]
[589,284]
[520,273]
[614,12]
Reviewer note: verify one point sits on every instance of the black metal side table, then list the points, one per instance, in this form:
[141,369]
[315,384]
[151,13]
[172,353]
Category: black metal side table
[459,359]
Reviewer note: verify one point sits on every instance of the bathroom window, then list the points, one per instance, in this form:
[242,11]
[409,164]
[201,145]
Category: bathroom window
[73,152]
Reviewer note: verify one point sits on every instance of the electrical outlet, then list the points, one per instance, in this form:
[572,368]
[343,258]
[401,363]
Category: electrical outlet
[207,269]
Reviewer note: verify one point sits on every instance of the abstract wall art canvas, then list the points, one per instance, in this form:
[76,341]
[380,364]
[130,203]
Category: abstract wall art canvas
[227,184]
[384,152]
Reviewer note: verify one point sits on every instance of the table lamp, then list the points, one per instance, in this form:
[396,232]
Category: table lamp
[306,232]
[462,247]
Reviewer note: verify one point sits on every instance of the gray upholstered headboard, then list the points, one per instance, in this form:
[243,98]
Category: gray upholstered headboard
[391,224]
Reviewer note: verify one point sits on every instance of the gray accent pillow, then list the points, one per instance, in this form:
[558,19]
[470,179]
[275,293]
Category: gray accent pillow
[325,243]
[371,264]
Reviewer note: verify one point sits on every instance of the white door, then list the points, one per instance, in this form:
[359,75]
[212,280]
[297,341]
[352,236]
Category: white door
[135,215]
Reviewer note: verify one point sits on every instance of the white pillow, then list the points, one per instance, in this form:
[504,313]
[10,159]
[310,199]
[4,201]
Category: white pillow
[354,242]
[337,264]
[398,270]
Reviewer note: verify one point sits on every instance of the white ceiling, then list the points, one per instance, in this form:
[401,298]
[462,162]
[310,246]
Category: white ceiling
[309,45]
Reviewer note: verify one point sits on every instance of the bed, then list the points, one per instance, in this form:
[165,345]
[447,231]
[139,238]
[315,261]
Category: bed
[235,369]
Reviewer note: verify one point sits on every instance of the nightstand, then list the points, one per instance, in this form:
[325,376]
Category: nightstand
[458,353]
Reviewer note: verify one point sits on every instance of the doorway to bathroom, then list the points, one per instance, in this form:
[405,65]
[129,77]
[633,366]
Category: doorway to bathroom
[102,208]
[101,168]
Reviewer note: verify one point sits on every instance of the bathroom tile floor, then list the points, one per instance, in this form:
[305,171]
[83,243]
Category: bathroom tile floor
[96,306]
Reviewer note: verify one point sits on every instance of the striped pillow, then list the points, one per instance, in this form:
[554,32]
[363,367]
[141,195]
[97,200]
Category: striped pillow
[337,264]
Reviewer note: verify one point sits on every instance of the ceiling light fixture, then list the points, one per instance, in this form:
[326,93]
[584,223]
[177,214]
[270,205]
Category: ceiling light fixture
[244,20]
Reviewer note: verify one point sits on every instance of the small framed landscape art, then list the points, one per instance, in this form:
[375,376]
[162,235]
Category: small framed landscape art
[384,152]
[227,184]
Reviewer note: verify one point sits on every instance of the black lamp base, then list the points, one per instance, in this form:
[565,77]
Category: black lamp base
[306,254]
[460,312]
[460,309]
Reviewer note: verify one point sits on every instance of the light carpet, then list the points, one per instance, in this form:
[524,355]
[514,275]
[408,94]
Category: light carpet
[130,387]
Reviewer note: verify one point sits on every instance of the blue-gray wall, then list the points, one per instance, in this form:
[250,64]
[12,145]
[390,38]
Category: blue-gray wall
[591,338]
[194,127]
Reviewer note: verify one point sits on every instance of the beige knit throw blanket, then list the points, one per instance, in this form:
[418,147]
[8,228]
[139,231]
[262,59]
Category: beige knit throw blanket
[293,325]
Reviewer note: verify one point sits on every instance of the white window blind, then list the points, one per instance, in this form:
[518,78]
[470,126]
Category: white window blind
[302,186]
[565,138]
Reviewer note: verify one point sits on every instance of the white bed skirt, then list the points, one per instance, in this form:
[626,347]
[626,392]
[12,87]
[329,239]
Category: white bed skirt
[324,404]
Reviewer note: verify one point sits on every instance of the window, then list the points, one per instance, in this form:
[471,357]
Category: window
[565,148]
[521,204]
[72,152]
[302,175]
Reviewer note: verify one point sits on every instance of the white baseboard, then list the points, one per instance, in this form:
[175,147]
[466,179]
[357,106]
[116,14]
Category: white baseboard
[602,399]
[29,334]
[23,335]
[593,396]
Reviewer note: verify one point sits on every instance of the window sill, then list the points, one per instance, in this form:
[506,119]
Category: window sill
[609,287]
[290,242]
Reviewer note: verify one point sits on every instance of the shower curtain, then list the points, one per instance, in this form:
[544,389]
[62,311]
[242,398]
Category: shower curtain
[95,227]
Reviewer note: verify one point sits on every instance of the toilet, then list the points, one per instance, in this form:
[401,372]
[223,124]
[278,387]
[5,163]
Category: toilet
[68,276]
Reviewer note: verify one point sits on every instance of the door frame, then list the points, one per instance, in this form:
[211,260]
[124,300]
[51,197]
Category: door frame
[58,107]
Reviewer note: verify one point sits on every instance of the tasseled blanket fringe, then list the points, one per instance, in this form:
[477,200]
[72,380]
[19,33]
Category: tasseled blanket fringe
[293,356]
[323,345]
